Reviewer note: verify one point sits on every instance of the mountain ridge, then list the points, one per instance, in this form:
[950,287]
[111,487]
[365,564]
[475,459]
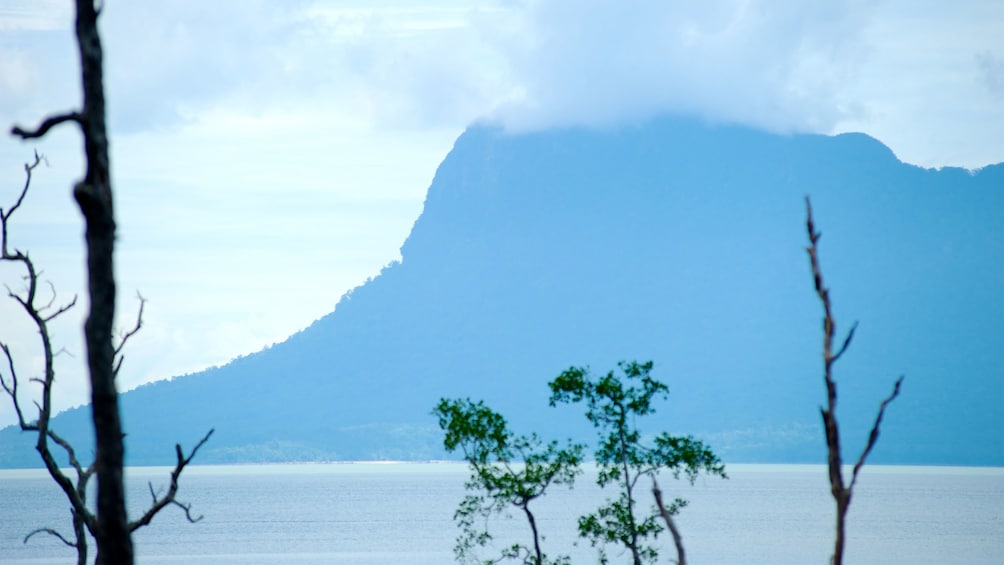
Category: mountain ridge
[674,241]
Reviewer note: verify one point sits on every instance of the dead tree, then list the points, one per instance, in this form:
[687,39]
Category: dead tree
[43,308]
[841,491]
[93,194]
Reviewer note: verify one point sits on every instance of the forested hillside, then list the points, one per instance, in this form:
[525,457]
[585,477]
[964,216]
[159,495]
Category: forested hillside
[675,241]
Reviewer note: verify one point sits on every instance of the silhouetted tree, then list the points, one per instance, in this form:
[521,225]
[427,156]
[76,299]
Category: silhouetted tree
[841,491]
[612,404]
[43,309]
[506,470]
[110,527]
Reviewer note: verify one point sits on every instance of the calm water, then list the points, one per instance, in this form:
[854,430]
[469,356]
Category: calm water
[402,513]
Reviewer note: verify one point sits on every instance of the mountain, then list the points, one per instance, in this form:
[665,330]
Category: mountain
[675,241]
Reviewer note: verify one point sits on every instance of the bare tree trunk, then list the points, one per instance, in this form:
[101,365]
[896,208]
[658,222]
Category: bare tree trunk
[841,493]
[94,196]
[81,536]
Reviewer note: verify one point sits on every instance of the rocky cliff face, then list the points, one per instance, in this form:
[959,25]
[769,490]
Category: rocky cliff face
[674,241]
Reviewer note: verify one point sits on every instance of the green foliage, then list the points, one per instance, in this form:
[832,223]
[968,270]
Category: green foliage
[612,403]
[506,471]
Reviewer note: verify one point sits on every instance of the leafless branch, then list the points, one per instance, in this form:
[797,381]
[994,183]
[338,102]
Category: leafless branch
[873,435]
[124,338]
[159,503]
[51,532]
[4,216]
[847,342]
[62,309]
[52,300]
[187,508]
[841,494]
[71,455]
[46,125]
[681,557]
[41,315]
[11,388]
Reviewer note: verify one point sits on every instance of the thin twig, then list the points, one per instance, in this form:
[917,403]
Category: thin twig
[62,309]
[847,341]
[124,338]
[51,532]
[4,216]
[873,435]
[11,389]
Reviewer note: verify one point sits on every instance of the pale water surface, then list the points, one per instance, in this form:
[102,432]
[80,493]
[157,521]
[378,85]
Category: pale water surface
[371,513]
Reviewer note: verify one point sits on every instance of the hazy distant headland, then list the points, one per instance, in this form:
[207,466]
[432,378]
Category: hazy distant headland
[674,241]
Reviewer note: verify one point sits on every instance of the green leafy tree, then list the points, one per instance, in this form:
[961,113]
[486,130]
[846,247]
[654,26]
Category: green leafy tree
[506,471]
[612,403]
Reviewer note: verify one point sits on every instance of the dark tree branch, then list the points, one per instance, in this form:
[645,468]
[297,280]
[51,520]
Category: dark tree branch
[847,342]
[71,455]
[681,556]
[159,503]
[124,338]
[84,521]
[61,310]
[873,435]
[187,508]
[47,124]
[841,494]
[11,388]
[51,532]
[4,216]
[34,311]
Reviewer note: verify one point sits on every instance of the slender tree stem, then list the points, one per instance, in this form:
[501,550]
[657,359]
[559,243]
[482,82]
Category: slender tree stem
[539,559]
[628,486]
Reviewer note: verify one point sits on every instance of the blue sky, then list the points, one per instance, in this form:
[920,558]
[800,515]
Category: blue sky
[269,156]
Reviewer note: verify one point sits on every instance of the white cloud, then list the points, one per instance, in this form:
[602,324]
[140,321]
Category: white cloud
[396,67]
[166,62]
[992,67]
[922,88]
[17,77]
[900,70]
[37,15]
[771,64]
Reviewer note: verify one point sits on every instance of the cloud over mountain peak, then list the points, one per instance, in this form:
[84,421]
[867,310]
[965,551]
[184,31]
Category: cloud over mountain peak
[780,66]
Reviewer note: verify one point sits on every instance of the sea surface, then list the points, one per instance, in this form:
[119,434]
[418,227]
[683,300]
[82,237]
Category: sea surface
[402,513]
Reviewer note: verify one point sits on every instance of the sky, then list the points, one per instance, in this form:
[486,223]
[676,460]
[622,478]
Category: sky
[270,156]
